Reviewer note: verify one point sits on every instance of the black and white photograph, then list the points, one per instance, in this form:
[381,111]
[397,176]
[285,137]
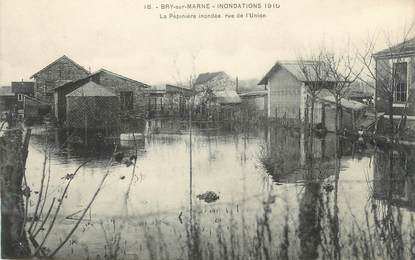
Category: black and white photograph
[207,129]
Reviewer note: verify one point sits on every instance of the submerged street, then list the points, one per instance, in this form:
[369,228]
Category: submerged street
[275,197]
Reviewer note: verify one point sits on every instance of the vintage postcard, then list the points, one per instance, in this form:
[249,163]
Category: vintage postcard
[214,129]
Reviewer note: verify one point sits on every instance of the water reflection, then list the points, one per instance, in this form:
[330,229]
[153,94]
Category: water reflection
[394,176]
[320,177]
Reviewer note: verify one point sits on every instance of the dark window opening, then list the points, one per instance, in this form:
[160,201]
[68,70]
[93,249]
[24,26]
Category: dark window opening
[126,100]
[400,73]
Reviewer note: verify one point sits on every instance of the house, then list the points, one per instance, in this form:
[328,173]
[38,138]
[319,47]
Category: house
[7,99]
[215,96]
[168,100]
[395,82]
[214,81]
[288,94]
[21,90]
[92,106]
[131,93]
[56,73]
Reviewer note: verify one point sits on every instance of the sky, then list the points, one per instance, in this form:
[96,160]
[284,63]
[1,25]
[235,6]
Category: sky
[121,36]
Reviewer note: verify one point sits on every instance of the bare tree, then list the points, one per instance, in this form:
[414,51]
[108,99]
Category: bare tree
[316,76]
[343,70]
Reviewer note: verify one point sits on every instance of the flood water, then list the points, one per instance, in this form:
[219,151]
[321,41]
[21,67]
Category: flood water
[281,195]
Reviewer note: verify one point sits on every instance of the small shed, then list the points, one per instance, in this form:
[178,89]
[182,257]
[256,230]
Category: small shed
[255,101]
[352,111]
[92,106]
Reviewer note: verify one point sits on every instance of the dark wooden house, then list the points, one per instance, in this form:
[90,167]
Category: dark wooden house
[92,106]
[58,72]
[21,90]
[131,93]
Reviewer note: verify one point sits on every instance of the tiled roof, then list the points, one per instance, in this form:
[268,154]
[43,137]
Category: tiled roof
[206,77]
[346,103]
[304,71]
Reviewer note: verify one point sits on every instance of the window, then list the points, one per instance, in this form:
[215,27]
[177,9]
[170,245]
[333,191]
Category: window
[126,100]
[400,73]
[20,97]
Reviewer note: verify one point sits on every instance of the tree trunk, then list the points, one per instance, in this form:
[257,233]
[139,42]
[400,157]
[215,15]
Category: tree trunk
[312,114]
[391,123]
[336,115]
[14,243]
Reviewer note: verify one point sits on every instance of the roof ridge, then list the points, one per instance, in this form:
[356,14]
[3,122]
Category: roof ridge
[55,61]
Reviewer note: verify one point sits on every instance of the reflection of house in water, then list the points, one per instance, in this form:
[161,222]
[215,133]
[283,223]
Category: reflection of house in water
[168,101]
[394,177]
[291,157]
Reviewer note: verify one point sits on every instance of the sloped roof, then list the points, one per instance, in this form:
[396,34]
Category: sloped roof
[296,69]
[56,61]
[120,76]
[346,103]
[206,77]
[91,89]
[227,97]
[96,73]
[404,48]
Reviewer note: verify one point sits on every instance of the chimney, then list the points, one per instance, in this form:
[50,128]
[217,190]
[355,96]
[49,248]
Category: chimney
[237,85]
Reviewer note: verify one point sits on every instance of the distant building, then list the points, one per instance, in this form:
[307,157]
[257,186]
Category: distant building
[131,93]
[215,96]
[214,81]
[58,72]
[395,82]
[21,90]
[168,100]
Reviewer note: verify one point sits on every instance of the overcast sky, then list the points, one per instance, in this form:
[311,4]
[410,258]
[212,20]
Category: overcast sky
[122,37]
